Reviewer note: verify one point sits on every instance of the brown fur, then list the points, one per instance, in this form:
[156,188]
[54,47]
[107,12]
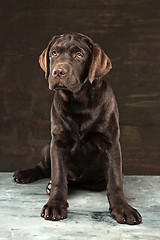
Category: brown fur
[85,132]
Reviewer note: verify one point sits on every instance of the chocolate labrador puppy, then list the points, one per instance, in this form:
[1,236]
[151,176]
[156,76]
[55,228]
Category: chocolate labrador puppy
[85,132]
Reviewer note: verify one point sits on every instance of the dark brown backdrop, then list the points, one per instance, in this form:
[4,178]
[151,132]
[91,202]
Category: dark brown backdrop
[129,32]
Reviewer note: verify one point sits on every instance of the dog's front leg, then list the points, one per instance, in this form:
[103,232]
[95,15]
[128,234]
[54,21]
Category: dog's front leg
[56,207]
[119,208]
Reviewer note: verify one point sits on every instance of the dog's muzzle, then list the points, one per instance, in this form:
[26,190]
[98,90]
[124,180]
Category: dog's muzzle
[60,86]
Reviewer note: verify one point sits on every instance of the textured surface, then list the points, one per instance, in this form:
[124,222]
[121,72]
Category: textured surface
[88,216]
[129,33]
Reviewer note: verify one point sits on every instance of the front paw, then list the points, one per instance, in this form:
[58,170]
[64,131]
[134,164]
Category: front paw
[54,210]
[126,214]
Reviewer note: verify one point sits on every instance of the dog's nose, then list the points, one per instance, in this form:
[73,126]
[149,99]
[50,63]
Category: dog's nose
[59,72]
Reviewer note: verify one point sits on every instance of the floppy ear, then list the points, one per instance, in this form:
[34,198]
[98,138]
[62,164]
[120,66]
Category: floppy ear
[100,63]
[43,62]
[44,59]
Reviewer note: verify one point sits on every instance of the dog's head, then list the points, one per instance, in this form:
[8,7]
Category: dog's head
[72,59]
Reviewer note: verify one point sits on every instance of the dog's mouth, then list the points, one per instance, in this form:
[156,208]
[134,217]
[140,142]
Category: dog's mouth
[60,86]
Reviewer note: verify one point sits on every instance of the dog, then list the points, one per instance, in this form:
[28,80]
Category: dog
[84,146]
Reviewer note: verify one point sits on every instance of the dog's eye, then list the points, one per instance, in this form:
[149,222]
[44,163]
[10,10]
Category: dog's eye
[79,55]
[54,53]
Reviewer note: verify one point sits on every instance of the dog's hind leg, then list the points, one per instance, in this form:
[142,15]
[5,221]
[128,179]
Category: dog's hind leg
[42,170]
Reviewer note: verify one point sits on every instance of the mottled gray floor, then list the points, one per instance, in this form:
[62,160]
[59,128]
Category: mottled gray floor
[88,217]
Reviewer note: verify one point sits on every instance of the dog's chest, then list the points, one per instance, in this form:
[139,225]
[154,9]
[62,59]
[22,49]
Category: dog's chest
[78,119]
[79,116]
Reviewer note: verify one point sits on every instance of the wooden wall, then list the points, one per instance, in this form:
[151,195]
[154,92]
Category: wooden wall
[128,31]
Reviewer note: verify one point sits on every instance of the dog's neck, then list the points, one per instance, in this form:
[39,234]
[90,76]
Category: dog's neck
[87,93]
